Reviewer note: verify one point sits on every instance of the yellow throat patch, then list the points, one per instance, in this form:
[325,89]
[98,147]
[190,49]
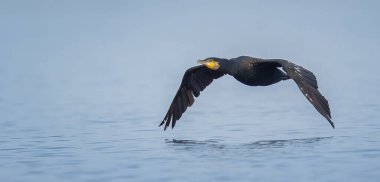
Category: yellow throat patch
[212,64]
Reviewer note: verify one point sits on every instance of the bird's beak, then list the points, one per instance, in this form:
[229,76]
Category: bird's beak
[210,64]
[207,63]
[201,61]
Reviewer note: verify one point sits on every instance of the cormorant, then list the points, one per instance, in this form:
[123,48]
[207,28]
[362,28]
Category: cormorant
[250,71]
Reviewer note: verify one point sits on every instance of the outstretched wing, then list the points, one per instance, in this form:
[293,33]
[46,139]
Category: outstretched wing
[307,83]
[195,80]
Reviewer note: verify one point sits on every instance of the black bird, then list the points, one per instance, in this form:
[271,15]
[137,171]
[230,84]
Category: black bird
[247,70]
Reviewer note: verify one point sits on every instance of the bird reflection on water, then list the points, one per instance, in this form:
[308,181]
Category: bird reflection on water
[262,144]
[284,143]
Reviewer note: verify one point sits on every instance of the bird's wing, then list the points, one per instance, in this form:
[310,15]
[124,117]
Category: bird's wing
[195,80]
[307,83]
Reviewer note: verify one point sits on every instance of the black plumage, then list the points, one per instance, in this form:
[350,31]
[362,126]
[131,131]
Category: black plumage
[250,71]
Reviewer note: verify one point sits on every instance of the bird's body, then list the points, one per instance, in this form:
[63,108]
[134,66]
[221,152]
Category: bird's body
[249,71]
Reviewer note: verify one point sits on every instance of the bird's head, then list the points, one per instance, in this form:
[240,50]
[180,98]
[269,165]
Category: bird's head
[211,63]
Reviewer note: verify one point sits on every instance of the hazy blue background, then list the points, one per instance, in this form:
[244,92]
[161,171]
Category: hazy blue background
[84,84]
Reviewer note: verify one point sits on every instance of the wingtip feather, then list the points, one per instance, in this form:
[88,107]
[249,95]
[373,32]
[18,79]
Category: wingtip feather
[331,123]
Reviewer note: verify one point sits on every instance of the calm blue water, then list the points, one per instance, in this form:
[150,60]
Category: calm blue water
[82,93]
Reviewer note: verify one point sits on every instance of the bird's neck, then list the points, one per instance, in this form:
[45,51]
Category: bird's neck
[226,66]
